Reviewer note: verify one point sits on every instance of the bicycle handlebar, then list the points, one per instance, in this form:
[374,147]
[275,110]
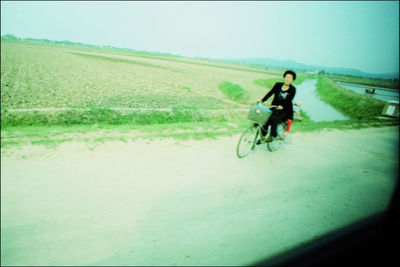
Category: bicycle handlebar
[273,106]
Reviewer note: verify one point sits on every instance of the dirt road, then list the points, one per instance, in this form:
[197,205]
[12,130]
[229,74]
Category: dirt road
[189,202]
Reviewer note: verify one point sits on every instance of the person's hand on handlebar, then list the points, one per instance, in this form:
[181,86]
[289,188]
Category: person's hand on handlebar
[277,107]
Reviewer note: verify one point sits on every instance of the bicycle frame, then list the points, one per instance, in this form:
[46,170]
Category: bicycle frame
[281,127]
[268,130]
[249,137]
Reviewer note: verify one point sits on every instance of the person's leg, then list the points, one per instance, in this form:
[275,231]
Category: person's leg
[274,125]
[264,129]
[276,118]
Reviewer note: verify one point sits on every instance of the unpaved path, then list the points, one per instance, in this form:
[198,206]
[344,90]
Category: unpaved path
[189,202]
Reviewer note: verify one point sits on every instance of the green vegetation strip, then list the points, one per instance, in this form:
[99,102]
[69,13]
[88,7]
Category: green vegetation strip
[52,136]
[234,91]
[100,133]
[349,103]
[96,115]
[310,126]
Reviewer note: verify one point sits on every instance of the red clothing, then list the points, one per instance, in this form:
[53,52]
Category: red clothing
[289,124]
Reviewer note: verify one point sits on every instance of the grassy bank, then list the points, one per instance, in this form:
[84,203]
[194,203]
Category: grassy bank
[234,92]
[95,115]
[307,125]
[310,126]
[351,104]
[362,110]
[99,133]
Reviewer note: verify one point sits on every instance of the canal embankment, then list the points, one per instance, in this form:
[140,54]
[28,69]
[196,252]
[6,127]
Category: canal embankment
[349,103]
[342,109]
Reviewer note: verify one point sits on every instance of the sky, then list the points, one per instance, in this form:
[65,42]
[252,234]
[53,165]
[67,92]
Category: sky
[349,34]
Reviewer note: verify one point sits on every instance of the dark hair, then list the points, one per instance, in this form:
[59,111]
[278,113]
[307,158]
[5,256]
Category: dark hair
[290,72]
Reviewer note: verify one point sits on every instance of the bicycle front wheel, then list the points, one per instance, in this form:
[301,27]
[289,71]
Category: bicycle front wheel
[247,141]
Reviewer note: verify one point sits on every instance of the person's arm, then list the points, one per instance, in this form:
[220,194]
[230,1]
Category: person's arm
[269,94]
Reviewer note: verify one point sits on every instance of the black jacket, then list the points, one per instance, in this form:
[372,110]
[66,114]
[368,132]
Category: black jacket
[283,98]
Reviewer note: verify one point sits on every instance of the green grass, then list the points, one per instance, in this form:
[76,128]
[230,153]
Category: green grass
[349,103]
[307,125]
[310,126]
[95,115]
[51,136]
[361,110]
[234,92]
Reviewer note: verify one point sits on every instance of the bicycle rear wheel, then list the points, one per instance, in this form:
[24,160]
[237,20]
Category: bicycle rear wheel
[276,144]
[247,141]
[281,129]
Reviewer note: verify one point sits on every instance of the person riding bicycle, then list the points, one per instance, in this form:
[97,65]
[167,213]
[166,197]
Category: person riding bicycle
[283,97]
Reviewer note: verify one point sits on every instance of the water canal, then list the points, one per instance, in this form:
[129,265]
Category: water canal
[313,106]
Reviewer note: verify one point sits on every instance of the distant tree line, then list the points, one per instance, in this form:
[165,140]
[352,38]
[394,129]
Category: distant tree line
[365,77]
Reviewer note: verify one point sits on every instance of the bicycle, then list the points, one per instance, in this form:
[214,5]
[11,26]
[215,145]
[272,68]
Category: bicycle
[260,115]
